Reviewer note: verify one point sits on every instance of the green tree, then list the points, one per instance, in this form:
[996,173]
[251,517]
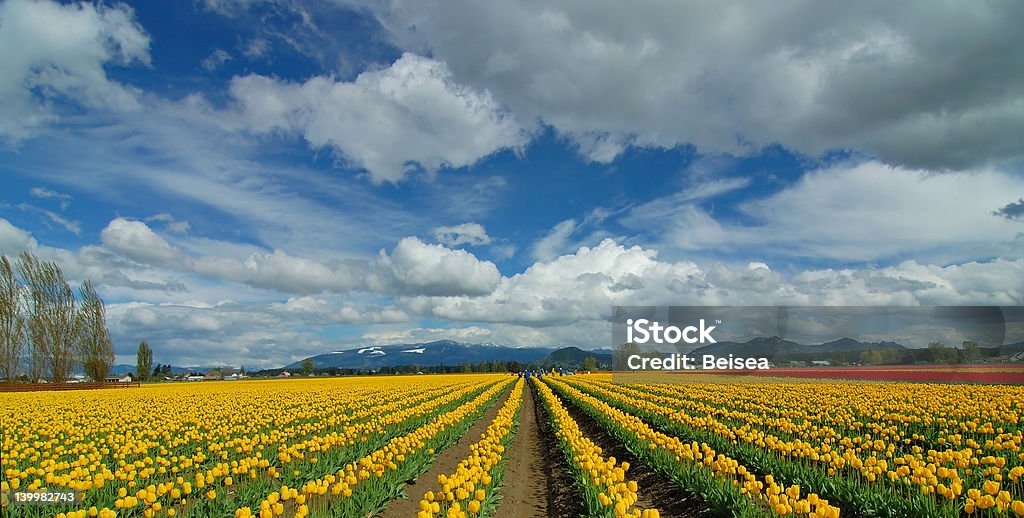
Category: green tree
[941,353]
[873,357]
[590,363]
[307,366]
[95,349]
[143,360]
[622,353]
[972,351]
[13,330]
[52,318]
[892,356]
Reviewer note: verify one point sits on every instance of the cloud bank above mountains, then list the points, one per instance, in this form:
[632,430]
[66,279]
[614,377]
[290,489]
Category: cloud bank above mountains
[564,300]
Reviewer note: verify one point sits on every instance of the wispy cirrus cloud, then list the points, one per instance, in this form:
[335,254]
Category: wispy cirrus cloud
[47,194]
[464,234]
[216,58]
[841,213]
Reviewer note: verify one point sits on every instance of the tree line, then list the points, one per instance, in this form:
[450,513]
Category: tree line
[45,330]
[307,368]
[935,353]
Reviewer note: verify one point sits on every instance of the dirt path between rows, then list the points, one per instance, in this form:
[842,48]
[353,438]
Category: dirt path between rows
[444,464]
[655,489]
[537,480]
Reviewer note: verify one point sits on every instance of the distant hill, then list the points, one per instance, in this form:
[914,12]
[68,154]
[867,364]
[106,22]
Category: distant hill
[1012,348]
[775,348]
[572,358]
[440,352]
[851,345]
[122,368]
[756,348]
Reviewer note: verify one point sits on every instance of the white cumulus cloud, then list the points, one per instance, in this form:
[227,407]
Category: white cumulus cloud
[58,51]
[413,267]
[136,241]
[389,121]
[434,269]
[582,287]
[14,240]
[914,83]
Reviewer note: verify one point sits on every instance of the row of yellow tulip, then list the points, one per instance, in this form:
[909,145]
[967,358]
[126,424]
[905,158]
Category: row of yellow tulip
[872,457]
[466,491]
[379,474]
[901,414]
[335,447]
[149,448]
[936,479]
[162,449]
[776,498]
[606,490]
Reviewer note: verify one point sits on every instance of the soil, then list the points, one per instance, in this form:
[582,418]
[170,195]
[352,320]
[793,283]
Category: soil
[445,463]
[655,489]
[537,480]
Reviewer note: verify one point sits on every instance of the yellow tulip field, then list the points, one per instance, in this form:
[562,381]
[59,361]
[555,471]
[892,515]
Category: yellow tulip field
[447,446]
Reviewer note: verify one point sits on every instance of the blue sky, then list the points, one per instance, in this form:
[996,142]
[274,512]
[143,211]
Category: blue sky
[254,181]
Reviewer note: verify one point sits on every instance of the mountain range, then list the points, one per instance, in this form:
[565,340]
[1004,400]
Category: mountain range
[440,352]
[451,353]
[775,346]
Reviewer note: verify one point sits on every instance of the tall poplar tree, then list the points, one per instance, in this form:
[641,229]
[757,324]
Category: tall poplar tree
[13,328]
